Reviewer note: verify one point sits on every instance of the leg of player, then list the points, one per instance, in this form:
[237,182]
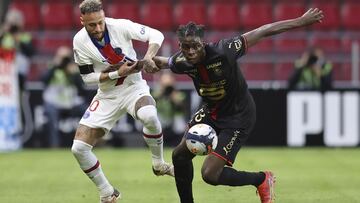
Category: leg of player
[152,132]
[214,172]
[85,139]
[184,172]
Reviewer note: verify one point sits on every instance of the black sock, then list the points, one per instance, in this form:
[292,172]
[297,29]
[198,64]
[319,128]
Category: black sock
[184,174]
[232,177]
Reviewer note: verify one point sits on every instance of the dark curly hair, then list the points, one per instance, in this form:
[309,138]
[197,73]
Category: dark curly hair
[190,29]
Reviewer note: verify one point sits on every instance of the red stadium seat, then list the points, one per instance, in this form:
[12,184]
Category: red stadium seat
[332,15]
[290,44]
[263,46]
[158,15]
[257,71]
[283,71]
[285,11]
[48,42]
[223,15]
[76,17]
[347,42]
[31,12]
[263,13]
[342,72]
[216,36]
[327,43]
[349,11]
[190,11]
[127,10]
[57,15]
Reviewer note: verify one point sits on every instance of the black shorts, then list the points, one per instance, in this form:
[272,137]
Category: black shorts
[230,140]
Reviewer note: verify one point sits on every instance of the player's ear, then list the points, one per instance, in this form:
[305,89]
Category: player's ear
[81,20]
[179,44]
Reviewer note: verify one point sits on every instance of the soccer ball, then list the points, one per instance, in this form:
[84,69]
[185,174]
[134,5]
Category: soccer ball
[201,139]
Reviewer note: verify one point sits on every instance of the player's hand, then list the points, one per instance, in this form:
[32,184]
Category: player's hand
[313,15]
[128,68]
[150,66]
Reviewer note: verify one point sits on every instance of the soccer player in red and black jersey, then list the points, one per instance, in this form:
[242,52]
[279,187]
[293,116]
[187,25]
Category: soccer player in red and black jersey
[228,106]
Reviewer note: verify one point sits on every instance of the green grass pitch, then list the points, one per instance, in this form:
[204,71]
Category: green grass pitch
[304,175]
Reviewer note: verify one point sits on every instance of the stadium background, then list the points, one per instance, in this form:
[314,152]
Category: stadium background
[267,66]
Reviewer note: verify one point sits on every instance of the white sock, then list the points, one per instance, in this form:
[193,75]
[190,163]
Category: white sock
[91,167]
[152,133]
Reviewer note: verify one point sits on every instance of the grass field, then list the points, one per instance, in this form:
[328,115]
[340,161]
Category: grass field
[304,175]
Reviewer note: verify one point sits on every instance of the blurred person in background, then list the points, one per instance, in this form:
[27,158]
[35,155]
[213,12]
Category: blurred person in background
[105,55]
[228,105]
[312,72]
[63,85]
[12,36]
[171,109]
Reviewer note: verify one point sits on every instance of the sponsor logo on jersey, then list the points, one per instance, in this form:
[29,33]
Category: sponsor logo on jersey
[214,91]
[142,30]
[230,145]
[214,65]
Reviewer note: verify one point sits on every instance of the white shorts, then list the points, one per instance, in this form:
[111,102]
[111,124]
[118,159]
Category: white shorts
[107,107]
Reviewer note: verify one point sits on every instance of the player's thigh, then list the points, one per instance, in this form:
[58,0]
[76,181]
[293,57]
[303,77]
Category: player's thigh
[88,135]
[103,112]
[137,95]
[229,143]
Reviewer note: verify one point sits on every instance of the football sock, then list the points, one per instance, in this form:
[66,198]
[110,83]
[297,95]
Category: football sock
[184,176]
[91,167]
[232,177]
[152,133]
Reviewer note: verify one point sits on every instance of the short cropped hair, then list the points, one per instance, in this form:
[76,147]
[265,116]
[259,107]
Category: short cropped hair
[190,29]
[90,6]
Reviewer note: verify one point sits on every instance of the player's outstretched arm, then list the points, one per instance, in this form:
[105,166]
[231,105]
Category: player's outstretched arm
[313,15]
[161,62]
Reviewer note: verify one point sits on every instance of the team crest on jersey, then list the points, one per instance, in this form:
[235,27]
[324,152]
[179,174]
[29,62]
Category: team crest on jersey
[218,71]
[216,67]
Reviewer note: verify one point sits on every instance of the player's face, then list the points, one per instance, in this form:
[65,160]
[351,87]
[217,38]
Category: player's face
[193,49]
[94,24]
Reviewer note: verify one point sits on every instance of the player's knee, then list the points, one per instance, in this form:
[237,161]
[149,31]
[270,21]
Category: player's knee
[80,148]
[178,158]
[209,176]
[148,116]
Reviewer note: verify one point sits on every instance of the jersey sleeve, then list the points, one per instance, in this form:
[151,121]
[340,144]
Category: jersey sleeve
[141,32]
[79,56]
[234,47]
[176,62]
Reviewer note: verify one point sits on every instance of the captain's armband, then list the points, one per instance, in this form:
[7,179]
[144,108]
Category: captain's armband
[86,69]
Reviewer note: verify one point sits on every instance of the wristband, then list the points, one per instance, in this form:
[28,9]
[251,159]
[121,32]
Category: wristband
[114,75]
